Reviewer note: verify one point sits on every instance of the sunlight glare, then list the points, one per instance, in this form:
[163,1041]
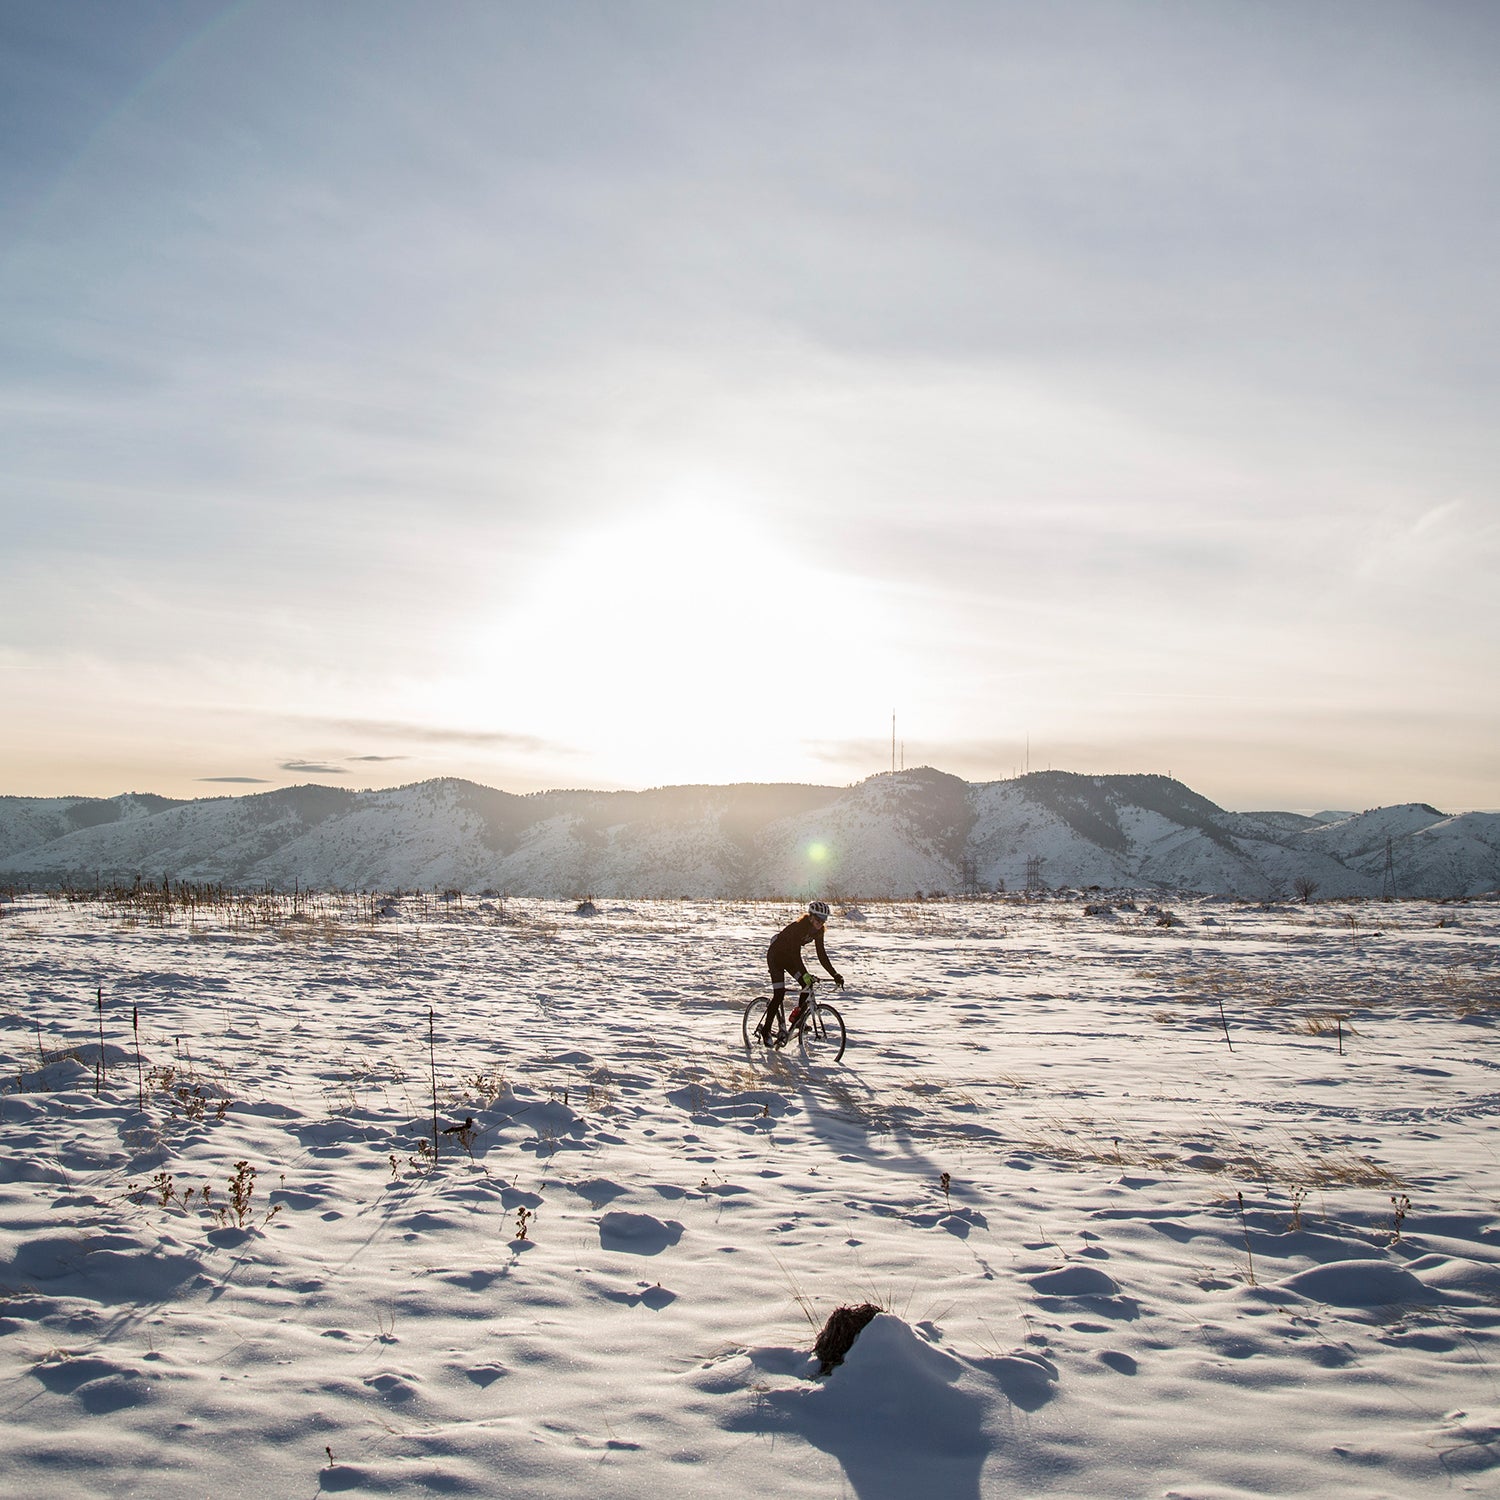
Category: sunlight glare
[683,643]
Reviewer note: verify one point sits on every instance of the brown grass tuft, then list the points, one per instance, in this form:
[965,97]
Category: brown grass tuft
[839,1333]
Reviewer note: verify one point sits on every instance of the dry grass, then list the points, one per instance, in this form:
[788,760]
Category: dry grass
[230,1207]
[946,1093]
[1296,1164]
[1463,987]
[1016,1081]
[839,1333]
[1326,1023]
[1467,990]
[727,1075]
[1080,1145]
[597,1097]
[484,1087]
[301,928]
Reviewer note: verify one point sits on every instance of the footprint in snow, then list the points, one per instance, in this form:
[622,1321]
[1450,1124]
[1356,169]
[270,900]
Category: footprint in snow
[1359,1283]
[1028,1380]
[397,1388]
[1085,1285]
[637,1234]
[654,1297]
[597,1191]
[1075,1281]
[99,1386]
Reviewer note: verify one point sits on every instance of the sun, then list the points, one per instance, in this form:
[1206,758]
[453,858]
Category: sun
[688,643]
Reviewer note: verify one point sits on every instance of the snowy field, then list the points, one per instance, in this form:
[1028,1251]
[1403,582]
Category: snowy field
[1206,1209]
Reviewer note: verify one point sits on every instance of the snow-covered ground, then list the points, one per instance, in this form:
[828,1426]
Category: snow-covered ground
[1137,1225]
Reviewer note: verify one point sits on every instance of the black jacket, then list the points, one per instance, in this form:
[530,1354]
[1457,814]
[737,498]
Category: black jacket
[785,951]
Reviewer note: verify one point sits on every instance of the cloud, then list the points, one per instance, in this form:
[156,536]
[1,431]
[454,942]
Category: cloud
[312,767]
[247,780]
[437,734]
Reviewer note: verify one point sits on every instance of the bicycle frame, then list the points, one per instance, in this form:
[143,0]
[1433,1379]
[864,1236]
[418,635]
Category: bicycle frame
[807,1001]
[818,1025]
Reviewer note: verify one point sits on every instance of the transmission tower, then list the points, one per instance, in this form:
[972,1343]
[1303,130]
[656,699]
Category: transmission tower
[1388,878]
[1034,872]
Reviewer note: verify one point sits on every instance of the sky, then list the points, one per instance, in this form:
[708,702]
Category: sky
[629,394]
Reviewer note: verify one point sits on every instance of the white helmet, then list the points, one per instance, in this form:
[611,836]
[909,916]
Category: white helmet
[818,909]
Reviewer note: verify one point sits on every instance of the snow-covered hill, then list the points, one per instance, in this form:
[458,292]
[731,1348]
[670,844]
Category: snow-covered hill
[918,830]
[30,822]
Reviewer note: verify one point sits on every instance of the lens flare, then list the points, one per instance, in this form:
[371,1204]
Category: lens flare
[817,853]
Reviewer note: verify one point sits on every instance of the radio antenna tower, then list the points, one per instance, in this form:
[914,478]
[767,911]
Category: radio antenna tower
[1388,878]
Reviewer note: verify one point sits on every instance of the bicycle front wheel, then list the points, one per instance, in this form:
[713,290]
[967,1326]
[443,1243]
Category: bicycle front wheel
[755,1014]
[823,1037]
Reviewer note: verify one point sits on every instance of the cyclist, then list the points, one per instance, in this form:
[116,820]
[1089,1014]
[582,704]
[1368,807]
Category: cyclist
[784,957]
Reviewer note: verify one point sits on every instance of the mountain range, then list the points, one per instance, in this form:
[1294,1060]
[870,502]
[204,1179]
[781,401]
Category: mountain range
[893,835]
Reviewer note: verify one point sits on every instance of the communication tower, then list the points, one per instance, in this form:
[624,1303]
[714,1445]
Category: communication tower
[1388,878]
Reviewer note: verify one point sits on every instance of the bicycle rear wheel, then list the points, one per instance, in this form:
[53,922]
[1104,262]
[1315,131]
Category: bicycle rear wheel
[755,1013]
[823,1038]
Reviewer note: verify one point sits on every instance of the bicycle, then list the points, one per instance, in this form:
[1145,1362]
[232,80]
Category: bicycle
[818,1030]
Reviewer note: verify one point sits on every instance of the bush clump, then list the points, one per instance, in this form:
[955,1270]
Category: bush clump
[839,1334]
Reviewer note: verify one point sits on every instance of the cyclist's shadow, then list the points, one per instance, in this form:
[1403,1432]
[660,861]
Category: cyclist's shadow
[837,1101]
